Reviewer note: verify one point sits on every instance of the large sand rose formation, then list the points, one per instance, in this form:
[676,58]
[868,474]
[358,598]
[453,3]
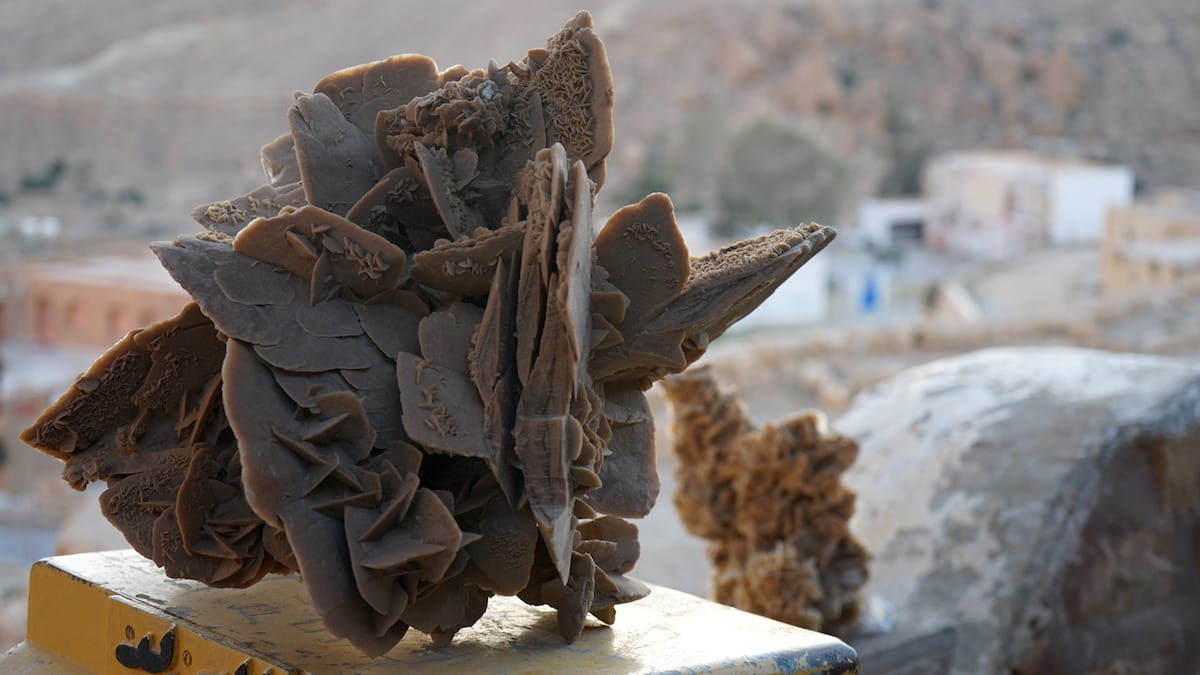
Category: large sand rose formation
[413,370]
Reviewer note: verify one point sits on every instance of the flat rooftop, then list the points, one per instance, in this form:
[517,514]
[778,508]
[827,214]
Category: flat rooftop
[143,272]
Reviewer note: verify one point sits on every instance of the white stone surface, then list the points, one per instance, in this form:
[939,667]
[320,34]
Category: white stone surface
[975,474]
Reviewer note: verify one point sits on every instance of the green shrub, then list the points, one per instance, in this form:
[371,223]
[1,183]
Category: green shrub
[652,176]
[131,195]
[47,179]
[905,153]
[772,176]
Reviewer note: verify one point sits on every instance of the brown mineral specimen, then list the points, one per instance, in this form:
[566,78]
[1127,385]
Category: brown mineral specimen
[414,371]
[772,504]
[149,419]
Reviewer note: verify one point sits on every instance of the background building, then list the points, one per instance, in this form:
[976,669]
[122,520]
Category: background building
[1001,204]
[1154,243]
[885,223]
[93,302]
[58,317]
[802,300]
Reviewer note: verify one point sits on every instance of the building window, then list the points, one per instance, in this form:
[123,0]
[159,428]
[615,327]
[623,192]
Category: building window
[908,232]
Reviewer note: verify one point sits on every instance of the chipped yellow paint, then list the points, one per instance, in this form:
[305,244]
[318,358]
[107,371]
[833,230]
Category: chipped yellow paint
[83,606]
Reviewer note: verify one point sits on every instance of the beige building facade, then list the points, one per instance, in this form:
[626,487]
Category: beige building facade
[997,204]
[90,302]
[56,317]
[1154,243]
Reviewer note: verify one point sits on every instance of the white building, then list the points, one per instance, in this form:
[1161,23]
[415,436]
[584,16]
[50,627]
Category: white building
[802,299]
[885,223]
[1000,204]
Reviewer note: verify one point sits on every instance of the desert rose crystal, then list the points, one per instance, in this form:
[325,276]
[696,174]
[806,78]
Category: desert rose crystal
[413,370]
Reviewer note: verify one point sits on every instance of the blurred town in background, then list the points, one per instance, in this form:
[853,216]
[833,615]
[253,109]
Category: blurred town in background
[1000,174]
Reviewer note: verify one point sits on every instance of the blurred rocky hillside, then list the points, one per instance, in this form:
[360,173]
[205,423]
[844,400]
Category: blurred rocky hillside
[164,105]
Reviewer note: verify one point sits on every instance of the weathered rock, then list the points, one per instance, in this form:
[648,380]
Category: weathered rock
[1043,501]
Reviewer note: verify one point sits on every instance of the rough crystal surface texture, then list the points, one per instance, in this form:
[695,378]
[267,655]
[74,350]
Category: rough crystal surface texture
[772,504]
[413,369]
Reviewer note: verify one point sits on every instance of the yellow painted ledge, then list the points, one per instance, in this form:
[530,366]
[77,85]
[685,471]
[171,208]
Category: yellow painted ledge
[84,607]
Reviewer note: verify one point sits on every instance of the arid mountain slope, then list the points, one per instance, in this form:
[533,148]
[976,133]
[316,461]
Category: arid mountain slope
[174,98]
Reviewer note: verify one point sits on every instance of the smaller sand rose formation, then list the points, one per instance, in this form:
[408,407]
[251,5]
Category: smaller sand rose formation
[772,504]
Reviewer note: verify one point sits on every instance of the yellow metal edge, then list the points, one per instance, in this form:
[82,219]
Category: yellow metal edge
[194,650]
[87,602]
[76,625]
[68,616]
